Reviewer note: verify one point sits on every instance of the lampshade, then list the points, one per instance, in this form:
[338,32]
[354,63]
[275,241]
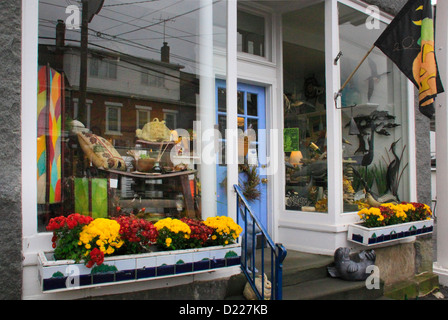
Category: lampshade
[295,158]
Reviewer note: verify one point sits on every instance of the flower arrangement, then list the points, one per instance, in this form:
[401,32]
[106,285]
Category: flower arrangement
[137,234]
[389,214]
[226,231]
[66,232]
[173,234]
[77,237]
[98,238]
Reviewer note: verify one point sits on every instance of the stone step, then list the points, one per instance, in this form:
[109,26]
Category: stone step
[331,289]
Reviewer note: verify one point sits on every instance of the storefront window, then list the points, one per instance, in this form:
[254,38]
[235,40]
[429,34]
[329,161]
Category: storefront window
[305,109]
[374,117]
[121,107]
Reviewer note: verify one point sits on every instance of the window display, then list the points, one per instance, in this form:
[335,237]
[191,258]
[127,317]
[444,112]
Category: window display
[374,118]
[305,109]
[374,109]
[120,108]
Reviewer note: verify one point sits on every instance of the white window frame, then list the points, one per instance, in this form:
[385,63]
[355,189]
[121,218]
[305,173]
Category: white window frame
[259,10]
[117,106]
[139,109]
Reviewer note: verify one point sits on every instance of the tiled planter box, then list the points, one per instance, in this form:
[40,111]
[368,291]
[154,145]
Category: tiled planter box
[67,275]
[373,236]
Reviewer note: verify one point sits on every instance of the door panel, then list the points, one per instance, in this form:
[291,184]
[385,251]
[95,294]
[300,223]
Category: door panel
[251,114]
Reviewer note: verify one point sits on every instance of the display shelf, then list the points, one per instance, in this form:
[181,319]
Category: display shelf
[182,182]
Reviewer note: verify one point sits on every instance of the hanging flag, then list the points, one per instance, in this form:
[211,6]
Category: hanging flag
[409,42]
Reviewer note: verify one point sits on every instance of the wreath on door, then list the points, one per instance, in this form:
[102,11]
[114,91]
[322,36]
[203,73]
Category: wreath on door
[249,186]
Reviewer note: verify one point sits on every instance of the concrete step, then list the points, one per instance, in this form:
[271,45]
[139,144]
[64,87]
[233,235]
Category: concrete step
[297,267]
[305,277]
[331,289]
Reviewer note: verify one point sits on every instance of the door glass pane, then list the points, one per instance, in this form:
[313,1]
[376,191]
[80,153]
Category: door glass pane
[222,107]
[305,109]
[374,118]
[240,102]
[252,104]
[252,124]
[222,124]
[139,53]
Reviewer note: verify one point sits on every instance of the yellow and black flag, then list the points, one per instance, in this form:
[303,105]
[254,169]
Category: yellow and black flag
[409,42]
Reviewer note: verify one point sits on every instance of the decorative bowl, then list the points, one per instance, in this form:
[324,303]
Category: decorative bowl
[145,165]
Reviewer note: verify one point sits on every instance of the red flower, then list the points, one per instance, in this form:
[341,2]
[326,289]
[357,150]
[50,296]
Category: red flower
[56,223]
[137,233]
[96,256]
[199,230]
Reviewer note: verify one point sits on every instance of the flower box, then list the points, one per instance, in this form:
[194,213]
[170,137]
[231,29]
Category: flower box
[66,274]
[373,236]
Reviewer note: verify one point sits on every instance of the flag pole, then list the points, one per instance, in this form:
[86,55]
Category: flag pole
[353,73]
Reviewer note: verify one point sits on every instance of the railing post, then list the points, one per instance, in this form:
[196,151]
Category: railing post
[278,252]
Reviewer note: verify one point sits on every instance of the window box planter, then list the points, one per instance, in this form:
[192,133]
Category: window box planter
[373,236]
[64,275]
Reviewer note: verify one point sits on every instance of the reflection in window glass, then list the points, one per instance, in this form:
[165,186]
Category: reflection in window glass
[251,33]
[304,109]
[113,119]
[374,118]
[139,53]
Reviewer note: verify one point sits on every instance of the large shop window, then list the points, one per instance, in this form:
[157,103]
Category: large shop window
[374,117]
[121,111]
[305,109]
[374,109]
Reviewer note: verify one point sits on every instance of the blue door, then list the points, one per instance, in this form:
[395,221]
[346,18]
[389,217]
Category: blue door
[251,115]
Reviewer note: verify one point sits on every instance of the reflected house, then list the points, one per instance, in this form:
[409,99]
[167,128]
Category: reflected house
[124,92]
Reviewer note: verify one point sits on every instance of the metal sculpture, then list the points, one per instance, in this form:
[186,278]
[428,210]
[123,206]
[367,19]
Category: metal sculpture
[393,174]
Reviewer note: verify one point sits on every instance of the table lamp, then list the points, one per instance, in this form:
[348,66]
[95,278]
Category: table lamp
[296,158]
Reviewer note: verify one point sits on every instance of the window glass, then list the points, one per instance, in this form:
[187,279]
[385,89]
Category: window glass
[305,109]
[92,122]
[251,33]
[374,117]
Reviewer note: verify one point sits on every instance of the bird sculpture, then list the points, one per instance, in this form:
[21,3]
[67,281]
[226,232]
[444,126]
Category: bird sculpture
[351,267]
[374,78]
[368,157]
[392,171]
[377,202]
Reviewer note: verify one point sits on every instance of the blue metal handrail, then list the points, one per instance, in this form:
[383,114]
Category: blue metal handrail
[278,252]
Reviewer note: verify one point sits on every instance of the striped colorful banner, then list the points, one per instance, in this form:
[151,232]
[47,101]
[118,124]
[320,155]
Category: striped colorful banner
[49,134]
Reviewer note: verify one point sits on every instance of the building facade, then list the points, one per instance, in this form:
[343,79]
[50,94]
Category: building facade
[270,66]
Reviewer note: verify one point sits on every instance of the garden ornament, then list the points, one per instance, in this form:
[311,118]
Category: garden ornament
[351,267]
